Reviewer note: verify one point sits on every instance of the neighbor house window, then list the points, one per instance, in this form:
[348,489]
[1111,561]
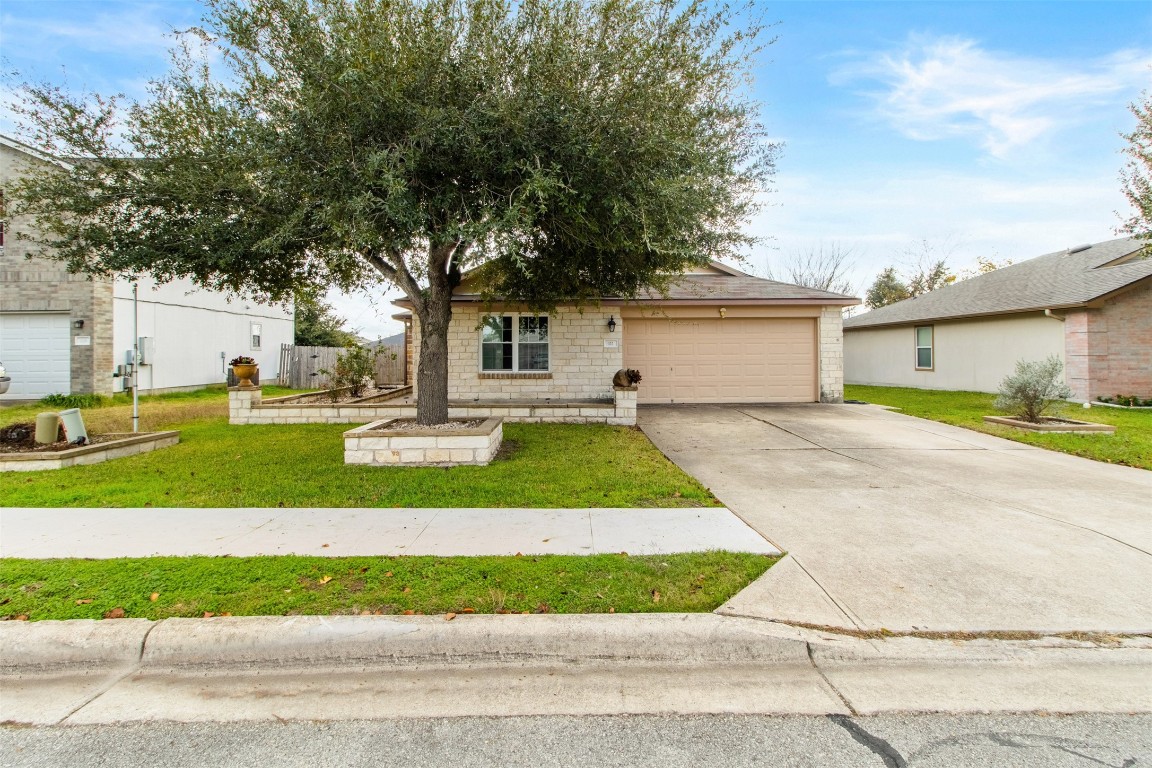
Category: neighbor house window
[514,343]
[256,336]
[924,361]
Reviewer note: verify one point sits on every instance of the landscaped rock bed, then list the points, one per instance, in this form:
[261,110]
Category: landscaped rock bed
[1052,424]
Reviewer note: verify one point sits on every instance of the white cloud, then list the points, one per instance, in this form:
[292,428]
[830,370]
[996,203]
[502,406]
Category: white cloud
[946,87]
[879,219]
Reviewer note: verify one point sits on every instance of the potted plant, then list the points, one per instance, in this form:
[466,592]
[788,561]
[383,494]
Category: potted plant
[245,368]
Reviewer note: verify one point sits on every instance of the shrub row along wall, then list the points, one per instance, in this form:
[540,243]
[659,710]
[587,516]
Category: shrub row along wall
[245,407]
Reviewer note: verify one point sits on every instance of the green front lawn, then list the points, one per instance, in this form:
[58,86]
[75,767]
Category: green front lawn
[1131,445]
[162,587]
[220,465]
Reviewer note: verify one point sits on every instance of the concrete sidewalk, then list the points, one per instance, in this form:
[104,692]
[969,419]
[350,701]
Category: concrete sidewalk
[136,532]
[379,667]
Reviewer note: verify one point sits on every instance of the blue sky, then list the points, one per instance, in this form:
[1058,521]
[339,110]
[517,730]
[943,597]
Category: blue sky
[986,129]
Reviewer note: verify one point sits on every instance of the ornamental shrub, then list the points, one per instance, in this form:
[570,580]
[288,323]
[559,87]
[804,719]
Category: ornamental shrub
[1034,388]
[354,368]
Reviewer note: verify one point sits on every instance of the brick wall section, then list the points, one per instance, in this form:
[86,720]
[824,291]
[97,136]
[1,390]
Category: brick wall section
[830,341]
[1108,351]
[32,284]
[582,367]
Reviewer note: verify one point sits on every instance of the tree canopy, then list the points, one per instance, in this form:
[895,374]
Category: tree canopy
[575,148]
[1137,173]
[318,325]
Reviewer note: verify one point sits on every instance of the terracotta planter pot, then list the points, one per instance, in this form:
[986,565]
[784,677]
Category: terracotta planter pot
[244,374]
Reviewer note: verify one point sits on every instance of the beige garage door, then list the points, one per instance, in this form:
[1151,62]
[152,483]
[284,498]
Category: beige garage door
[735,360]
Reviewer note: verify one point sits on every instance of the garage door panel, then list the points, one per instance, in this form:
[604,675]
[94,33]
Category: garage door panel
[717,361]
[36,351]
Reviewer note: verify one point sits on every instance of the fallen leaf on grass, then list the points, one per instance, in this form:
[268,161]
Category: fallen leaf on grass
[388,575]
[449,616]
[324,579]
[19,617]
[611,610]
[655,595]
[409,613]
[154,596]
[115,613]
[208,614]
[406,590]
[84,602]
[468,610]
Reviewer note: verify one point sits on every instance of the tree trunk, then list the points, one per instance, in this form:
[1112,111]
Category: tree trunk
[432,374]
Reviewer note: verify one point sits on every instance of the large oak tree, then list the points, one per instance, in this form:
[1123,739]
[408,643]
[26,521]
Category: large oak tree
[573,148]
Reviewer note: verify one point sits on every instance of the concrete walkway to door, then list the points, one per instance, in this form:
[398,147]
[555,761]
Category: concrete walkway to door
[901,523]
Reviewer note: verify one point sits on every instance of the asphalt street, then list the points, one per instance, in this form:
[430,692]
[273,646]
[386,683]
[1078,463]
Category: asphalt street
[921,741]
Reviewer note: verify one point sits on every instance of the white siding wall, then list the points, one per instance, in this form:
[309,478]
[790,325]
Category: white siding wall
[192,328]
[972,355]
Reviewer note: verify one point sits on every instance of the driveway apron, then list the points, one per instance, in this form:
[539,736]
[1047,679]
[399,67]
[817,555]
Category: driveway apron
[893,522]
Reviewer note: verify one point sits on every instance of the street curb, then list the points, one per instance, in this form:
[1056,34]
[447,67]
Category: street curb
[426,641]
[46,646]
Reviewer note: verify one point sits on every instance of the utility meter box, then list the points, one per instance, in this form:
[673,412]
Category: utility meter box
[147,350]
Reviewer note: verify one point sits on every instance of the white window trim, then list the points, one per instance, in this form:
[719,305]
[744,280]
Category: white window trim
[931,346]
[515,344]
[255,331]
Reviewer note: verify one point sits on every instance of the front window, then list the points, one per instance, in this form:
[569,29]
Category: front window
[513,343]
[924,361]
[256,332]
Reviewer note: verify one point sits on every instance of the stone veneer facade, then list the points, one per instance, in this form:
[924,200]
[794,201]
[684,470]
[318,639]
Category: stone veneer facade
[41,285]
[1108,350]
[830,348]
[581,366]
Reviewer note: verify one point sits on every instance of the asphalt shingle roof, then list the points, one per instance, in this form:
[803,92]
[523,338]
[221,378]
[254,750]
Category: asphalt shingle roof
[711,287]
[1052,281]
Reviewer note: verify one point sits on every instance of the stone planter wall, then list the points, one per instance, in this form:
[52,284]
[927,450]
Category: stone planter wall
[246,407]
[128,445]
[374,444]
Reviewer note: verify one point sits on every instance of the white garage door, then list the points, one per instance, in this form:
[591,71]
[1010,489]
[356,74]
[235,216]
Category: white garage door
[35,349]
[734,360]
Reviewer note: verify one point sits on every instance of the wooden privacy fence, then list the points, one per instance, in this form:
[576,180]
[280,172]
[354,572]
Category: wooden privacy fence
[300,366]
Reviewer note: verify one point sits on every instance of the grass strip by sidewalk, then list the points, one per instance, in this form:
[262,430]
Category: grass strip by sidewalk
[298,585]
[1131,445]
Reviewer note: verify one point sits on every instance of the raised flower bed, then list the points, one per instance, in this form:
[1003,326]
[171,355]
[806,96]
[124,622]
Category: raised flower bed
[399,442]
[105,448]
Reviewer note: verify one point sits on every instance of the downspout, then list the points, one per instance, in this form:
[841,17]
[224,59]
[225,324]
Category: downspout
[1053,315]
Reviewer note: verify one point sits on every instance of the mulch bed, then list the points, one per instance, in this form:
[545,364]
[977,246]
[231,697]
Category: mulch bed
[21,438]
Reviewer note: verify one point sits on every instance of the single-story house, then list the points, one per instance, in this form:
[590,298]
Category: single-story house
[718,336]
[67,334]
[1091,306]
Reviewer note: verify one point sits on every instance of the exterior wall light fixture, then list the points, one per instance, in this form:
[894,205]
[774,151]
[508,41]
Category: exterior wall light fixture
[611,324]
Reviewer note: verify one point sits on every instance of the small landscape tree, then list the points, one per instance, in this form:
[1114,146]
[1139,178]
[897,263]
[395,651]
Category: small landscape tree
[574,148]
[1137,173]
[1034,388]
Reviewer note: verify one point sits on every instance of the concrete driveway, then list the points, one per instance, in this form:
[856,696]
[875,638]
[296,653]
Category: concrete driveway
[896,522]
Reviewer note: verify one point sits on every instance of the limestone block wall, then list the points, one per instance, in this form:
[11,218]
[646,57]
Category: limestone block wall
[1108,350]
[830,342]
[581,366]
